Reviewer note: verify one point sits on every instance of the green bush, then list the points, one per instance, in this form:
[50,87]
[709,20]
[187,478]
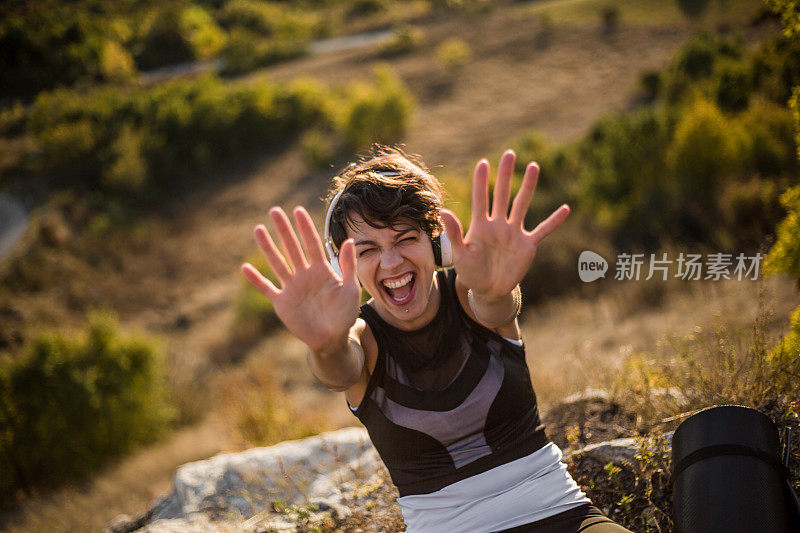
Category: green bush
[173,130]
[770,149]
[366,7]
[318,148]
[788,349]
[377,113]
[127,171]
[71,403]
[453,53]
[116,63]
[45,46]
[624,177]
[785,253]
[163,42]
[706,149]
[259,17]
[405,39]
[733,85]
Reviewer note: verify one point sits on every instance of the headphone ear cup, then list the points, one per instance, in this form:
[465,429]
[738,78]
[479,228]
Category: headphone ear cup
[335,265]
[446,251]
[442,251]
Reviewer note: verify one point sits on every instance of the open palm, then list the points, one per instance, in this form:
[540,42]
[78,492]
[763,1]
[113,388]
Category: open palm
[315,304]
[497,251]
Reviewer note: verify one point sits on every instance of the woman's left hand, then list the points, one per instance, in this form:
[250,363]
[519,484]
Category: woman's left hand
[497,251]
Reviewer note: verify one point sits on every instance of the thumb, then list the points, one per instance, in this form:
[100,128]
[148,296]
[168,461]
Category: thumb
[347,262]
[453,228]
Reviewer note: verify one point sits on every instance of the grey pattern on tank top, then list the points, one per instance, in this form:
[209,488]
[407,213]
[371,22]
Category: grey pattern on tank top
[460,430]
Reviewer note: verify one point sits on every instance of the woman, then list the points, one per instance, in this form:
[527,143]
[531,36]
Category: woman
[433,365]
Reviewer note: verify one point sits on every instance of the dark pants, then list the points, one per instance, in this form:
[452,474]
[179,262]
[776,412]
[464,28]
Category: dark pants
[583,519]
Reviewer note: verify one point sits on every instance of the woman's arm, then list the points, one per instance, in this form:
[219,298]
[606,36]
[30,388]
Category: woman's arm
[497,251]
[317,306]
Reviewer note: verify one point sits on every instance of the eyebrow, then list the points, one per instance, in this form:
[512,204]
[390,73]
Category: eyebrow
[397,236]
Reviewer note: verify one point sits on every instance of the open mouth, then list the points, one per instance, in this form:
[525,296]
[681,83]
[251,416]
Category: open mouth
[400,290]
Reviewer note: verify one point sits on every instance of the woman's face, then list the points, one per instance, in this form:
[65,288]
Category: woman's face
[396,267]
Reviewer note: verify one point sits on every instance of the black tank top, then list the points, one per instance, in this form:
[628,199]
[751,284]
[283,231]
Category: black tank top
[448,401]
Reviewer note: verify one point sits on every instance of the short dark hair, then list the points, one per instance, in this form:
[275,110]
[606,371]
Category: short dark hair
[382,201]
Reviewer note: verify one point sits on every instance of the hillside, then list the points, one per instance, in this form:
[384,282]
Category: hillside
[556,75]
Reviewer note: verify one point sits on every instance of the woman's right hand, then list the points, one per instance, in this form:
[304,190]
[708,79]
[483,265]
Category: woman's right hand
[317,306]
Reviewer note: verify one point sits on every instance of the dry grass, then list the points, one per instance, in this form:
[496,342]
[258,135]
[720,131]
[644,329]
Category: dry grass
[575,342]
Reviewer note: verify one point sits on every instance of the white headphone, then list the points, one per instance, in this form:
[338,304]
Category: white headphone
[442,251]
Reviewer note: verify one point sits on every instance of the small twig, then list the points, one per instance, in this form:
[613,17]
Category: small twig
[679,416]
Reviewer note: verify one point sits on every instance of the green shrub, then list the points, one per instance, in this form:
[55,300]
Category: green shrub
[405,39]
[696,58]
[776,68]
[733,85]
[770,149]
[242,51]
[787,352]
[624,176]
[609,19]
[46,46]
[127,171]
[12,119]
[72,403]
[116,64]
[784,256]
[377,113]
[318,148]
[366,7]
[175,129]
[692,9]
[202,33]
[748,211]
[164,43]
[453,53]
[706,149]
[650,82]
[259,17]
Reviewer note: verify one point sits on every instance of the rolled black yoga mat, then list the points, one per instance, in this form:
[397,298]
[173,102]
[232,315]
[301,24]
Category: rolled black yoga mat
[727,473]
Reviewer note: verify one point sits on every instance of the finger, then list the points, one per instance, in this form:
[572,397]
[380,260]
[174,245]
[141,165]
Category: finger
[288,238]
[502,186]
[258,281]
[480,191]
[453,228]
[347,262]
[274,257]
[547,226]
[523,199]
[311,239]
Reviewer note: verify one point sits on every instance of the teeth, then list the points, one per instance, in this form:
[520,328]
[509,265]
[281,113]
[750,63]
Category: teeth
[405,280]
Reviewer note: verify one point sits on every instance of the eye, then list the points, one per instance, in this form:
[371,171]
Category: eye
[408,240]
[365,251]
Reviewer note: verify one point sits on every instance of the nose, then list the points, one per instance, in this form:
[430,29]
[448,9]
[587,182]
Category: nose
[390,258]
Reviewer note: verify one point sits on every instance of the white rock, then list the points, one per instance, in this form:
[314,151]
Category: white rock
[236,491]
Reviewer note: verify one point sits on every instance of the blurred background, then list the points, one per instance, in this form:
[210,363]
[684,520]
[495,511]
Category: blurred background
[141,141]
